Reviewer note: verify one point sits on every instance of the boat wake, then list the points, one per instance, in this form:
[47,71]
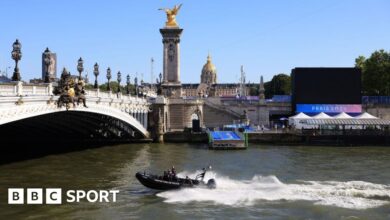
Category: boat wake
[351,194]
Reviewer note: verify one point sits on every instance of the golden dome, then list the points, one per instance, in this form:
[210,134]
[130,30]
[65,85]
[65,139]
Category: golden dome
[209,73]
[209,66]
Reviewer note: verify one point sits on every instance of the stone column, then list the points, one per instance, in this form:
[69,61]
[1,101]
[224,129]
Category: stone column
[171,61]
[261,91]
[159,128]
[50,89]
[19,88]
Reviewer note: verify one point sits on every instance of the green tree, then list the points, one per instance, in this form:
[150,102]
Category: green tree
[359,62]
[279,85]
[89,86]
[114,88]
[375,73]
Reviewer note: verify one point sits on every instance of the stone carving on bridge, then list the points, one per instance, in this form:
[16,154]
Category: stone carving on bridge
[69,91]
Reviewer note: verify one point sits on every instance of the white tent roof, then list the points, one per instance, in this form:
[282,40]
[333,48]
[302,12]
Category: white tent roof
[342,115]
[321,116]
[365,115]
[301,115]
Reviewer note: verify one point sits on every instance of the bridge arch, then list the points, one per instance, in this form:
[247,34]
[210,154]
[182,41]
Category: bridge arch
[22,112]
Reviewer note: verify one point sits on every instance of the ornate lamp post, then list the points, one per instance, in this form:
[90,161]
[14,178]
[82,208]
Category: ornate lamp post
[80,67]
[47,61]
[108,78]
[142,87]
[128,84]
[119,78]
[159,89]
[16,55]
[136,85]
[96,73]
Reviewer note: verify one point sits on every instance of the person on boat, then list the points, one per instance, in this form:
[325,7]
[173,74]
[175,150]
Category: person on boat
[169,175]
[173,170]
[173,173]
[165,175]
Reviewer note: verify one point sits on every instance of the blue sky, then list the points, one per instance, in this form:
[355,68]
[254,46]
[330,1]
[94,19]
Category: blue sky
[267,37]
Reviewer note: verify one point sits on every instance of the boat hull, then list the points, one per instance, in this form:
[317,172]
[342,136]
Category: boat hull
[154,183]
[157,182]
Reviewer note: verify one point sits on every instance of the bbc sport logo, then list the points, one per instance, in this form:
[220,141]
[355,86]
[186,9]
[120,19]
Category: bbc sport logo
[54,196]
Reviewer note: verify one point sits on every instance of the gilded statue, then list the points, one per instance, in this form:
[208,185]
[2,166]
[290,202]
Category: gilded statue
[171,15]
[69,91]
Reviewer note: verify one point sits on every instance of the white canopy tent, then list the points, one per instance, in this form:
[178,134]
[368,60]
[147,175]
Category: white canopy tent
[365,115]
[321,116]
[296,119]
[302,120]
[342,115]
[300,115]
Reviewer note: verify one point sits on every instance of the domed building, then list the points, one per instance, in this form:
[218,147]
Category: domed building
[209,73]
[208,86]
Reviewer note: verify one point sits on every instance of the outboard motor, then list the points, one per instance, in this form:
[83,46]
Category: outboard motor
[211,184]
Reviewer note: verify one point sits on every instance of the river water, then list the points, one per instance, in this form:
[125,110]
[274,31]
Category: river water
[262,182]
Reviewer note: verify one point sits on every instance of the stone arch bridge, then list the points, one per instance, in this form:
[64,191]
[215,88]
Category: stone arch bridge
[32,110]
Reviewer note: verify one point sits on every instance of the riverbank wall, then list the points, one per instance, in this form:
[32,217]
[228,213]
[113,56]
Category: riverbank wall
[186,137]
[321,140]
[288,139]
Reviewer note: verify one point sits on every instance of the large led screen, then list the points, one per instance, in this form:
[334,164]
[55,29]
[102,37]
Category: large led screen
[329,90]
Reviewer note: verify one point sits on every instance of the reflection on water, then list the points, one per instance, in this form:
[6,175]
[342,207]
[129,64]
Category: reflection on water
[260,182]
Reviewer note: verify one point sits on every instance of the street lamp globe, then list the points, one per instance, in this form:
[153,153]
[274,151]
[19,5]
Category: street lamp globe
[128,84]
[96,73]
[119,79]
[108,78]
[136,85]
[80,67]
[16,55]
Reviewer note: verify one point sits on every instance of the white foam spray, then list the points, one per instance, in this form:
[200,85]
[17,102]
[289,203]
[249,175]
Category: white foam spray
[351,194]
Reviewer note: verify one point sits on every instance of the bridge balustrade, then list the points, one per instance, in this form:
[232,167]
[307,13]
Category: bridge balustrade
[21,89]
[7,90]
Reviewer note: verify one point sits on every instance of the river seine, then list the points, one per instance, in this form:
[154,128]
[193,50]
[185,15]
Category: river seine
[262,182]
